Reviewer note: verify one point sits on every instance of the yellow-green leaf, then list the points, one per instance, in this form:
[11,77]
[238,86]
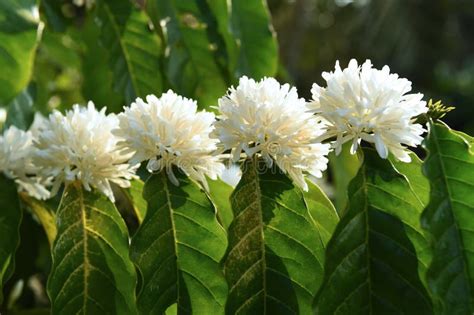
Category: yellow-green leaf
[92,272]
[134,194]
[19,30]
[322,210]
[274,263]
[44,213]
[219,193]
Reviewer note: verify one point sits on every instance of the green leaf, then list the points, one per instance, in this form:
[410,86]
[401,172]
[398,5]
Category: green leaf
[274,263]
[449,217]
[135,50]
[221,9]
[195,46]
[413,171]
[322,210]
[91,272]
[344,168]
[219,193]
[378,252]
[10,219]
[43,213]
[135,195]
[20,110]
[178,249]
[172,310]
[99,80]
[19,30]
[256,39]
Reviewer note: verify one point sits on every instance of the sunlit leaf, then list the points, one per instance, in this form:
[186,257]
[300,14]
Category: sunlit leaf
[274,263]
[219,193]
[177,250]
[92,272]
[378,253]
[134,195]
[19,31]
[43,213]
[343,169]
[322,210]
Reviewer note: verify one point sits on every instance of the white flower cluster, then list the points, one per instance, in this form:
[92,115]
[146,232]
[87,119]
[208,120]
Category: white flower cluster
[16,161]
[79,145]
[363,103]
[168,131]
[269,119]
[264,119]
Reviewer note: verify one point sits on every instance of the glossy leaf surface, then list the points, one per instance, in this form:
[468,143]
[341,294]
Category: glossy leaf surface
[194,47]
[378,253]
[19,31]
[449,217]
[274,264]
[322,210]
[220,193]
[177,250]
[92,272]
[257,45]
[135,49]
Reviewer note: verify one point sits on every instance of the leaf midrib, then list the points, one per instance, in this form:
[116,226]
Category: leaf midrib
[262,248]
[122,46]
[367,233]
[192,58]
[164,179]
[448,191]
[84,246]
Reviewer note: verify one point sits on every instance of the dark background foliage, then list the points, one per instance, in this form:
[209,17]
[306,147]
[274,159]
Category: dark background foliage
[429,42]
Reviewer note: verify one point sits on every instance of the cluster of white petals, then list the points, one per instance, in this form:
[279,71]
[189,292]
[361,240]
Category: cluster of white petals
[270,120]
[169,131]
[257,118]
[16,162]
[231,175]
[79,145]
[363,103]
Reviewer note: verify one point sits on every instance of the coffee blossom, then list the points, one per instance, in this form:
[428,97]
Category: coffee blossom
[363,103]
[167,132]
[16,162]
[79,145]
[269,120]
[231,175]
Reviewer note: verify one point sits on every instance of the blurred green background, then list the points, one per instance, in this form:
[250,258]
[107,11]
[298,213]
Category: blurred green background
[430,42]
